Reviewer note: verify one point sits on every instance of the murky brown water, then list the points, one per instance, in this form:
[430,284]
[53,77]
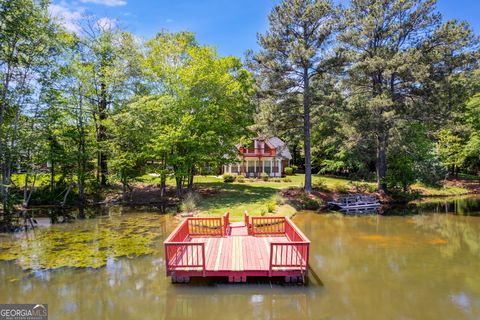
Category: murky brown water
[425,266]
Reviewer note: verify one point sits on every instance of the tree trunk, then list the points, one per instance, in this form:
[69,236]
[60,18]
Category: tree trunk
[163,184]
[179,184]
[82,166]
[26,201]
[306,131]
[381,161]
[52,176]
[191,175]
[25,189]
[102,135]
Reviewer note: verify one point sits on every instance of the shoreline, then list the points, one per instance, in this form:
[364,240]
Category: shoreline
[218,197]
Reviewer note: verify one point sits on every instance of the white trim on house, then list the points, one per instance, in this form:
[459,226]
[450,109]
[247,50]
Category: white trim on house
[248,160]
[268,165]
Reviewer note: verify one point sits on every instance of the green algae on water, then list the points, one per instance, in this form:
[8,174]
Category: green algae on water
[89,244]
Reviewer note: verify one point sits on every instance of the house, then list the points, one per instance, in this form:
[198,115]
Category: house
[269,155]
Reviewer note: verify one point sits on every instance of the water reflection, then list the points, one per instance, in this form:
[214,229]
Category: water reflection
[250,301]
[468,205]
[422,266]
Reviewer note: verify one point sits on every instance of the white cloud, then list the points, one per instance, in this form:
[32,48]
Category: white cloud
[69,18]
[109,3]
[106,23]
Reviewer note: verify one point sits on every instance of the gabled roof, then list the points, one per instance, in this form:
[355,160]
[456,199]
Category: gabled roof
[275,143]
[280,146]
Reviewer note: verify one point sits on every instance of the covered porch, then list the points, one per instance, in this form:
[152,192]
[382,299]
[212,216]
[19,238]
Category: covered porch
[254,167]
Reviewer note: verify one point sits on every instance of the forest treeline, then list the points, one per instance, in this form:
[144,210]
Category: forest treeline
[101,106]
[376,89]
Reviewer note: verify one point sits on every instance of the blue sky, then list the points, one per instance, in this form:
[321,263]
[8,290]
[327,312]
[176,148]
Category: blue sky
[230,25]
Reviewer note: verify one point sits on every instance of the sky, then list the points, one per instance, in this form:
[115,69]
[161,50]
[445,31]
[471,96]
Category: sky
[229,25]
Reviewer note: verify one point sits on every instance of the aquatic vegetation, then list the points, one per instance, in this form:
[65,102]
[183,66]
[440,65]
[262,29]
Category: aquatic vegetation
[374,237]
[438,241]
[90,245]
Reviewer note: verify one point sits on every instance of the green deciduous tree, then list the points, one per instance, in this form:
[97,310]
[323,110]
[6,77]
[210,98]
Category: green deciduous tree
[27,48]
[198,108]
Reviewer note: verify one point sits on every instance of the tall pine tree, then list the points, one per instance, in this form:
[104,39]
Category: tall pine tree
[402,59]
[294,51]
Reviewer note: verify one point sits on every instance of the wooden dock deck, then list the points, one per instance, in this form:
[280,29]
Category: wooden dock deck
[257,247]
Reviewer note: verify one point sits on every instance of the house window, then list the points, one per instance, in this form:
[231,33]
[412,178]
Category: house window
[251,166]
[268,166]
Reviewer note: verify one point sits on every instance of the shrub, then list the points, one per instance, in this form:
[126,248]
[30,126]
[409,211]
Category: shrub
[278,199]
[320,185]
[287,179]
[362,187]
[228,177]
[277,180]
[263,211]
[271,206]
[190,202]
[340,188]
[309,203]
[240,179]
[264,176]
[289,171]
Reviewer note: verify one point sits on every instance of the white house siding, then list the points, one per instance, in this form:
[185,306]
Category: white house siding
[254,167]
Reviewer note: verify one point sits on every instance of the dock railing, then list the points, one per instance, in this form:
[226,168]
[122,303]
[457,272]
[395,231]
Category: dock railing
[181,254]
[247,221]
[226,223]
[205,226]
[268,225]
[293,254]
[185,255]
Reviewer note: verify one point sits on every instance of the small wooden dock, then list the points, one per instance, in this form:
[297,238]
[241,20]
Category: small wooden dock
[256,247]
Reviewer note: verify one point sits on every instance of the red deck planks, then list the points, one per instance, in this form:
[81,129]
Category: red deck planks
[239,255]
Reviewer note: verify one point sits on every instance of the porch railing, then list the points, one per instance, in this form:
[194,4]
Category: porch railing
[258,151]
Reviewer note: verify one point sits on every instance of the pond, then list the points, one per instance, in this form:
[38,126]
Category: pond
[419,266]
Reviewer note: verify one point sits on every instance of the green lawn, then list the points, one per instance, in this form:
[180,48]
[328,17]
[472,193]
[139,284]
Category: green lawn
[253,195]
[296,181]
[41,179]
[427,191]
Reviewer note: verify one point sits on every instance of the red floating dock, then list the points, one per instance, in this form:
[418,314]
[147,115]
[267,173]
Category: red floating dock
[257,247]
